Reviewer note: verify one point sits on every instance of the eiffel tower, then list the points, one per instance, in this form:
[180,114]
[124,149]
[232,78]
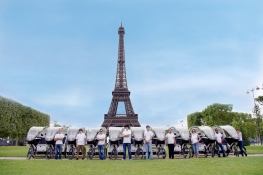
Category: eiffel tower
[121,93]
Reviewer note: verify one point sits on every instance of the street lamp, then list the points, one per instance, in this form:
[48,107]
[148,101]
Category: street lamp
[255,111]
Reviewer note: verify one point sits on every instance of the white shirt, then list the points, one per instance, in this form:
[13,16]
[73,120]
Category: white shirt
[218,137]
[101,136]
[240,136]
[194,138]
[170,137]
[127,139]
[81,138]
[59,136]
[148,135]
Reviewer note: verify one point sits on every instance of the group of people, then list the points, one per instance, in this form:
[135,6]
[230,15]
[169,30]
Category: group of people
[195,139]
[80,144]
[148,135]
[126,135]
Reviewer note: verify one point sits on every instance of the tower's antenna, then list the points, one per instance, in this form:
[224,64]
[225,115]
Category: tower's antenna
[121,21]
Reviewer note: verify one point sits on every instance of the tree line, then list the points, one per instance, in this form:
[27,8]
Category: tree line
[16,119]
[222,114]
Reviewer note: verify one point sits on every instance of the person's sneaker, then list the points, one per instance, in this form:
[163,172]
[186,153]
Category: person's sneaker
[122,159]
[77,158]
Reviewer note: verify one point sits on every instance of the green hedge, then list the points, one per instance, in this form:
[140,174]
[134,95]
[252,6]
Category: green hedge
[16,119]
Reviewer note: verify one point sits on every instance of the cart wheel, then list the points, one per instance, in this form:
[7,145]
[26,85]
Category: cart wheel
[212,151]
[164,153]
[49,153]
[29,153]
[115,154]
[236,151]
[206,150]
[71,153]
[65,151]
[142,154]
[191,152]
[105,152]
[159,154]
[185,151]
[227,152]
[65,154]
[139,154]
[91,153]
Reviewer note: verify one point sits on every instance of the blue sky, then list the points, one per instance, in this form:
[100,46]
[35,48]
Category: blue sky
[60,57]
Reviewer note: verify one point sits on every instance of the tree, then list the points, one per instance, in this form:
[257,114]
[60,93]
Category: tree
[217,114]
[221,114]
[16,119]
[259,100]
[57,125]
[246,124]
[195,119]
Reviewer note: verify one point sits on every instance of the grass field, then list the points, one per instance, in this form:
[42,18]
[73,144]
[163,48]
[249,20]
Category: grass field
[13,151]
[230,165]
[21,151]
[254,149]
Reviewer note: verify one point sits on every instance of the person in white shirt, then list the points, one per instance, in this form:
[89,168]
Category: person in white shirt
[240,143]
[195,139]
[58,146]
[101,141]
[148,136]
[170,142]
[80,144]
[126,134]
[219,143]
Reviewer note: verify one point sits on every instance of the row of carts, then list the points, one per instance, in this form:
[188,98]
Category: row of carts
[41,141]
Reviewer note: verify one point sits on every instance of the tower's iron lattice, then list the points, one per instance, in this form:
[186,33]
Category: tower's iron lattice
[121,93]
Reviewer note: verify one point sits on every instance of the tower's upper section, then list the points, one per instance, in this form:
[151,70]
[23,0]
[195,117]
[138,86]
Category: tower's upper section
[121,81]
[121,29]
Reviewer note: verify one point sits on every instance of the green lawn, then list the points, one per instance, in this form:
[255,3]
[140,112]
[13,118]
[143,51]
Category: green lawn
[13,151]
[254,149]
[21,151]
[230,165]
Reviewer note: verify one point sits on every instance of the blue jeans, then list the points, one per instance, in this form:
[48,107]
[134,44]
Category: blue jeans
[240,144]
[129,150]
[58,149]
[101,152]
[222,149]
[148,147]
[196,148]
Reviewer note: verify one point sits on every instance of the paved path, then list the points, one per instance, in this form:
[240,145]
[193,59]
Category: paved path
[40,158]
[12,158]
